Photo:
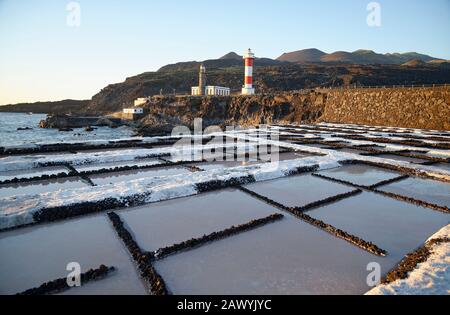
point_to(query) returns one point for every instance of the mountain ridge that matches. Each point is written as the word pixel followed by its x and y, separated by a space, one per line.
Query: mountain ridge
pixel 360 56
pixel 305 56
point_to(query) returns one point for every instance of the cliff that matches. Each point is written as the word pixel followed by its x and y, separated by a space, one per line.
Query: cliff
pixel 164 113
pixel 426 108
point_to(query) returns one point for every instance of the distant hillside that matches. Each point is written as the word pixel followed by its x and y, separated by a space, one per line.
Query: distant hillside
pixel 402 58
pixel 229 60
pixel 357 57
pixel 60 107
pixel 305 55
pixel 283 76
pixel 232 55
pixel 414 63
pixel 439 61
pixel 340 56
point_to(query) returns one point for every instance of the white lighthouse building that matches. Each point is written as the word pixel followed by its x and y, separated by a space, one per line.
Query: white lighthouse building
pixel 249 58
pixel 208 90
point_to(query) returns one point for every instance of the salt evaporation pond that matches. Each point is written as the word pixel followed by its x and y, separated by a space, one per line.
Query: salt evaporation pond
pixel 112 165
pixel 298 191
pixel 422 189
pixel 171 222
pixel 286 257
pixel 360 174
pixel 35 255
pixel 401 158
pixel 396 226
pixel 117 177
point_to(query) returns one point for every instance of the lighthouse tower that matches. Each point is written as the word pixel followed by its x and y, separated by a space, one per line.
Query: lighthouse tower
pixel 202 80
pixel 248 89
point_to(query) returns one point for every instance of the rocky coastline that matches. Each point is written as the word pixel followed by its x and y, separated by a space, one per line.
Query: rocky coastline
pixel 65 122
pixel 422 107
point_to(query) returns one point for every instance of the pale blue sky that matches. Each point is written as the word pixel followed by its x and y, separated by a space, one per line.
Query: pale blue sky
pixel 41 58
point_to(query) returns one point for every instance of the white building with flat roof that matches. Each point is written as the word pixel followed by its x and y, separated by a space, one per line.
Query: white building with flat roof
pixel 211 91
pixel 141 101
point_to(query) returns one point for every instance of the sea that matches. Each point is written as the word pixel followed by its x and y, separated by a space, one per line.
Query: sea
pixel 10 136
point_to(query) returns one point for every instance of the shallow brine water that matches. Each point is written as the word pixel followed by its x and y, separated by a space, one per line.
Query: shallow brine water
pixel 443 166
pixel 232 161
pixel 32 256
pixel 225 164
pixel 401 158
pixel 360 174
pixel 393 225
pixel 422 189
pixel 298 191
pixel 286 257
pixel 170 222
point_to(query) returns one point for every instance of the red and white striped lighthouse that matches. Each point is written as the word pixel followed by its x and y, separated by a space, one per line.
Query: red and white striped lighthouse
pixel 248 89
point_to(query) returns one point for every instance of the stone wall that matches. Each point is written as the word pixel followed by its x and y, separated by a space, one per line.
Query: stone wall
pixel 425 108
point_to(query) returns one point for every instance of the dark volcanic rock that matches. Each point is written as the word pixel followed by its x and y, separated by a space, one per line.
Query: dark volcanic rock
pixel 59 107
pixel 155 130
pixel 60 285
pixel 66 122
pixel 165 113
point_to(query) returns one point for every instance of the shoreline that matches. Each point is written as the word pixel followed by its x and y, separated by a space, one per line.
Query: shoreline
pixel 23 130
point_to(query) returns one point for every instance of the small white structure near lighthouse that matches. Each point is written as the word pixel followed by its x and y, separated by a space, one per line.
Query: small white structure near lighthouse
pixel 209 90
pixel 141 101
pixel 247 88
pixel 135 111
